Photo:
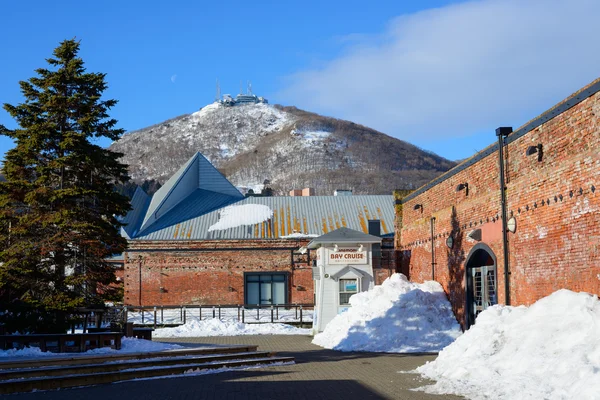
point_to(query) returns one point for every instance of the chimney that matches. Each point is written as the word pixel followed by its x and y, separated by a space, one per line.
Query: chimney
pixel 375 227
pixel 308 192
pixel 296 192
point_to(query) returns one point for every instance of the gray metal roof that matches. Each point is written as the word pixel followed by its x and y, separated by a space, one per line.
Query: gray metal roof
pixel 343 235
pixel 139 204
pixel 308 215
pixel 190 201
pixel 196 173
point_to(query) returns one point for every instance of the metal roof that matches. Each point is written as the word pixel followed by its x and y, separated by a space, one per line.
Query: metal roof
pixel 189 204
pixel 196 173
pixel 343 235
pixel 308 215
pixel 139 204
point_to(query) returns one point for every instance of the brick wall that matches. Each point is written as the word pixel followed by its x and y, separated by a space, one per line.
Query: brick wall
pixel 556 203
pixel 212 272
pixel 209 272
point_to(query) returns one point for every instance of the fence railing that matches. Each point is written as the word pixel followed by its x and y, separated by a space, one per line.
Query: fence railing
pixel 161 315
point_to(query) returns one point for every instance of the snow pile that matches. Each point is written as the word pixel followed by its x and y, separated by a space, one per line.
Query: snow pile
pixel 128 345
pixel 550 350
pixel 216 327
pixel 246 214
pixel 396 317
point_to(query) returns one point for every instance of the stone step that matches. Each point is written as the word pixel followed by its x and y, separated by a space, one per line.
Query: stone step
pixel 76 359
pixel 82 369
pixel 50 383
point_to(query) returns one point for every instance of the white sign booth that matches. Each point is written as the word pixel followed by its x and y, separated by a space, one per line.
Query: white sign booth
pixel 344 267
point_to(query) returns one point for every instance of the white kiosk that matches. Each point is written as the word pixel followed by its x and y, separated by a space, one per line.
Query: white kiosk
pixel 344 267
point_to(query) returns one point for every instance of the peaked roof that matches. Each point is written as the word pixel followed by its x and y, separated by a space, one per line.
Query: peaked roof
pixel 343 235
pixel 198 174
pixel 192 203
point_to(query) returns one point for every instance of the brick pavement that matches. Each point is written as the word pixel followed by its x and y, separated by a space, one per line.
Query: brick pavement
pixel 317 374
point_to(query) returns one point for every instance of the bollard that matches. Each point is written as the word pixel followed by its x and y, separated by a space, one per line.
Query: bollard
pixel 184 316
pixel 272 313
pixel 129 329
pixel 277 313
pixel 243 316
pixel 238 313
pixel 154 317
pixel 300 316
pixel 258 312
pixel 200 312
pixel 219 312
pixel 162 316
pixel 142 311
pixel 214 315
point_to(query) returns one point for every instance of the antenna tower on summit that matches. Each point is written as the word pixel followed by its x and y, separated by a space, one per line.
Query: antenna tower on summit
pixel 218 94
pixel 249 88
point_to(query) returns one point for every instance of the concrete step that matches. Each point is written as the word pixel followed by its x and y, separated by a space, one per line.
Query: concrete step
pixel 82 369
pixel 50 383
pixel 77 359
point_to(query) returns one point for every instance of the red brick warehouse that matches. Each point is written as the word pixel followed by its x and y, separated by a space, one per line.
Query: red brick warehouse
pixel 451 230
pixel 198 241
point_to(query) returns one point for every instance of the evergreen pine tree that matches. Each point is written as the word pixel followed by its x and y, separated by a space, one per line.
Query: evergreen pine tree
pixel 58 210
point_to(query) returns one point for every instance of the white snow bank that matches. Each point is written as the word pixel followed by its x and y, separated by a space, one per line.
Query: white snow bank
pixel 550 350
pixel 128 345
pixel 246 214
pixel 396 317
pixel 216 327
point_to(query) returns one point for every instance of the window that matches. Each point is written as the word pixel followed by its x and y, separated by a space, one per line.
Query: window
pixel 348 287
pixel 265 288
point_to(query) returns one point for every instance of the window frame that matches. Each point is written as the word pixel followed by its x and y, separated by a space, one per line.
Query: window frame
pixel 285 275
pixel 345 292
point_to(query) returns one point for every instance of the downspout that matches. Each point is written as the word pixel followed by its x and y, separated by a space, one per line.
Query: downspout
pixel 502 133
pixel 432 251
pixel 140 279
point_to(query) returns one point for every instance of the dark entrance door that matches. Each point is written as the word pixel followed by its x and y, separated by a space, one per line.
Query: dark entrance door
pixel 481 281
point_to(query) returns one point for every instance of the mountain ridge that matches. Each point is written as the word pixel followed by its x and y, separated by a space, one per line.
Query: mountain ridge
pixel 288 147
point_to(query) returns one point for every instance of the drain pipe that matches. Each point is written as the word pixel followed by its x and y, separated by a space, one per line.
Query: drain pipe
pixel 502 133
pixel 432 251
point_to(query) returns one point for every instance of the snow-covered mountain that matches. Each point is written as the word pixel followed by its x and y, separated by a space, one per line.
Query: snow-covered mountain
pixel 288 147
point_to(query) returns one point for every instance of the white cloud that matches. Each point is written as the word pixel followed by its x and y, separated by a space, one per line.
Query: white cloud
pixel 173 78
pixel 458 70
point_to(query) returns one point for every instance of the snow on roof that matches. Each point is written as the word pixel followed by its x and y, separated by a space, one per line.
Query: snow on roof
pixel 550 350
pixel 246 214
pixel 298 235
pixel 395 317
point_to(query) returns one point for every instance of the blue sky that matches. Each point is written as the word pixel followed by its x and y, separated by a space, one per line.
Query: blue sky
pixel 439 74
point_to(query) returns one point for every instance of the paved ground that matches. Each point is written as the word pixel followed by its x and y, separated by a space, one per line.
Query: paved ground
pixel 317 374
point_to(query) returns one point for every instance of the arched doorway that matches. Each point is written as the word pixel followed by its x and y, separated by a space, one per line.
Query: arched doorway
pixel 481 272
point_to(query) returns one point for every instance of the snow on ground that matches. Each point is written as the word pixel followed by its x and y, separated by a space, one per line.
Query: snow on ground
pixel 395 317
pixel 246 214
pixel 550 350
pixel 128 345
pixel 216 327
